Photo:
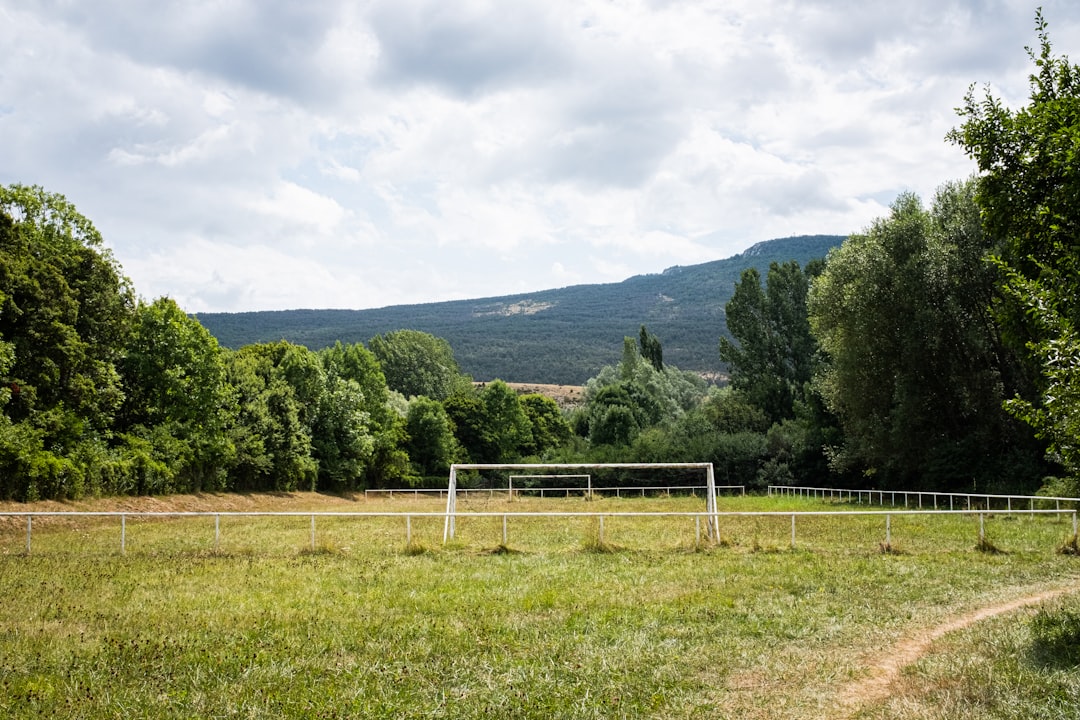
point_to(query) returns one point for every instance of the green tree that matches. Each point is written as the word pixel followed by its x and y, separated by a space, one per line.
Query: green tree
pixel 375 422
pixel 915 372
pixel 432 446
pixel 272 435
pixel 651 349
pixel 1029 194
pixel 417 363
pixel 550 428
pixel 65 311
pixel 175 382
pixel 773 360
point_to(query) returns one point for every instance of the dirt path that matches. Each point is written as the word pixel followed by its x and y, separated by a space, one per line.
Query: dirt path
pixel 885 669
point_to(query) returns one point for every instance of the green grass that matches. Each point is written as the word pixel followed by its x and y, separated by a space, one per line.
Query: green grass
pixel 1025 665
pixel 555 624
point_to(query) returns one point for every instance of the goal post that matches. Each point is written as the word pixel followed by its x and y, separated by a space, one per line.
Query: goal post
pixel 712 524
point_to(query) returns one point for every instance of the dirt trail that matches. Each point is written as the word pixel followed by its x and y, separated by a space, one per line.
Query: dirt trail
pixel 885 669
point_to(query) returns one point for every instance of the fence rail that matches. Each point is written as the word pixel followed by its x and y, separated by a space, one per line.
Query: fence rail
pixel 553 491
pixel 921 498
pixel 408 517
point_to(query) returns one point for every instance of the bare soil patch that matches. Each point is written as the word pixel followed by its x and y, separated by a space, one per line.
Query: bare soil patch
pixel 885 669
pixel 566 396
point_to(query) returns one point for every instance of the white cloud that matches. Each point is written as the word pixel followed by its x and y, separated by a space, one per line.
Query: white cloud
pixel 254 155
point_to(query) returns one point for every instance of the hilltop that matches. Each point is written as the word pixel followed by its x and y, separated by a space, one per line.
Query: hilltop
pixel 560 336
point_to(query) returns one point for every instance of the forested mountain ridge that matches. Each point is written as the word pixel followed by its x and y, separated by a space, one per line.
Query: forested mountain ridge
pixel 562 335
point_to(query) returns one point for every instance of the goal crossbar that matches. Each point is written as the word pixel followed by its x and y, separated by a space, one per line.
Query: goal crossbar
pixel 712 526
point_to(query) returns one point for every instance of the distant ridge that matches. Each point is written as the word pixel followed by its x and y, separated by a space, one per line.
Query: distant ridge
pixel 560 336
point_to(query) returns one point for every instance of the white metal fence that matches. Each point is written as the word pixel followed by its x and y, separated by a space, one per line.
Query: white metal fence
pixel 618 492
pixel 710 518
pixel 925 499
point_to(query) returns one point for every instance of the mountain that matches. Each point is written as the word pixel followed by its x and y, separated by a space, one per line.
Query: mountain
pixel 561 336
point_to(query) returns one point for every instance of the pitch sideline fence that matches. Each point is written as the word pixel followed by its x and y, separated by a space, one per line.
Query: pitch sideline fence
pixel 711 520
pixel 982 501
pixel 617 491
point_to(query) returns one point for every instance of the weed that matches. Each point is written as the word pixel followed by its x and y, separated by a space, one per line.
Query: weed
pixel 985 546
pixel 1055 638
pixel 414 548
pixel 889 548
pixel 1070 546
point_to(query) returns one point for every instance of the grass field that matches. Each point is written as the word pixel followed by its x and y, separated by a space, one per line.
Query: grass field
pixel 555 624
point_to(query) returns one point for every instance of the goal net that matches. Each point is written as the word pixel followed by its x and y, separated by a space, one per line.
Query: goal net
pixel 712 524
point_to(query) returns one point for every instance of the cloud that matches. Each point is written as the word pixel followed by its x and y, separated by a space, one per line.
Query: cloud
pixel 467 48
pixel 257 155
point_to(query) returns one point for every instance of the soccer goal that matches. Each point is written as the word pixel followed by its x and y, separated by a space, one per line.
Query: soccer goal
pixel 712 524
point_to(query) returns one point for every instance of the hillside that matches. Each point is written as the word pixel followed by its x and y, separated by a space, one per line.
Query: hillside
pixel 559 336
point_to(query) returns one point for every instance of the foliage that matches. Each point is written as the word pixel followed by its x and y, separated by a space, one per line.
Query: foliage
pixel 491 424
pixel 1029 192
pixel 276 383
pixel 417 363
pixel 177 397
pixel 65 312
pixel 774 359
pixel 550 428
pixel 376 430
pixel 651 349
pixel 432 446
pixel 917 370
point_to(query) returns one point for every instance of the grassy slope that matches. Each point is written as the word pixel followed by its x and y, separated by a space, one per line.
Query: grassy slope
pixel 265 628
pixel 573 332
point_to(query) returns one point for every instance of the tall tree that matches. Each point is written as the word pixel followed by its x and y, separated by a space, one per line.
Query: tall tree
pixel 417 363
pixel 174 377
pixel 772 361
pixel 915 370
pixel 276 385
pixel 1029 193
pixel 65 311
pixel 651 349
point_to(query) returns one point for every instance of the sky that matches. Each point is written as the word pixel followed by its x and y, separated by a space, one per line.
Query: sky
pixel 243 155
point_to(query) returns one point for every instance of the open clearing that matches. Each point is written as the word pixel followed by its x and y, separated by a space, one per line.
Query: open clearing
pixel 556 625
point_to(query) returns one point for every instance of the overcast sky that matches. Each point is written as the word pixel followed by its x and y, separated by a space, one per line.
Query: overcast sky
pixel 258 155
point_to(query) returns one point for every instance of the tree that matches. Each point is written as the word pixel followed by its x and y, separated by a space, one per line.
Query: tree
pixel 432 446
pixel 916 369
pixel 773 360
pixel 175 384
pixel 549 428
pixel 358 367
pixel 272 435
pixel 416 363
pixel 65 311
pixel 1029 194
pixel 651 349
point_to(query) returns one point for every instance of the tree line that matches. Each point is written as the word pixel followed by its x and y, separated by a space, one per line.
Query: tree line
pixel 936 349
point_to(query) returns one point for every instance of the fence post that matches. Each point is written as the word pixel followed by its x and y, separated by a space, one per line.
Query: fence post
pixel 123 534
pixel 504 529
pixel 217 531
pixel 697 531
pixel 601 529
pixel 408 530
pixel 313 532
pixel 888 530
pixel 30 530
pixel 1074 532
pixel 982 528
pixel 792 531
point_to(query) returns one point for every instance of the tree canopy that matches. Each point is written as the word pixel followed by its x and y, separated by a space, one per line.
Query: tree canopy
pixel 1029 194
